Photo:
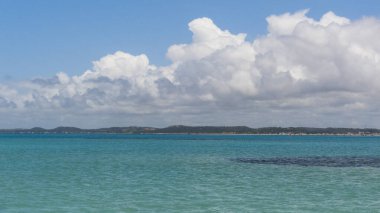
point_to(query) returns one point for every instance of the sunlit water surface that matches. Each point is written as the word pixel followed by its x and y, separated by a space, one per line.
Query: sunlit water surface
pixel 188 173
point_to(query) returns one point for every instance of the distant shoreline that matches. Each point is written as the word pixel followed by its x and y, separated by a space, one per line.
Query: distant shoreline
pixel 203 130
pixel 227 134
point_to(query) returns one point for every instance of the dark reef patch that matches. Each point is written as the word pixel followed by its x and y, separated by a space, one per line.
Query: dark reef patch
pixel 346 161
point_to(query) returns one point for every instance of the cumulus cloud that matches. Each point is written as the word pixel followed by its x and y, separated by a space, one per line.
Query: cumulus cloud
pixel 207 38
pixel 302 72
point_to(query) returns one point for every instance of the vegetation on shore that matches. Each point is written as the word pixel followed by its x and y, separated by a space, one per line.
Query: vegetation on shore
pixel 180 129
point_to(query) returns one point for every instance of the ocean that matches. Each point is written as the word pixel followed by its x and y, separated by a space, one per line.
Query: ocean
pixel 188 173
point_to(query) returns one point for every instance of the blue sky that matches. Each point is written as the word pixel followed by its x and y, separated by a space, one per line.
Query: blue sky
pixel 40 38
pixel 157 63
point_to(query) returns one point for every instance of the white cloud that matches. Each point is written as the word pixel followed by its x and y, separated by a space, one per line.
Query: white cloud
pixel 207 38
pixel 303 72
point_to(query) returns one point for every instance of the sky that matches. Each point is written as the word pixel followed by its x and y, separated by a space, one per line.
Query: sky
pixel 157 63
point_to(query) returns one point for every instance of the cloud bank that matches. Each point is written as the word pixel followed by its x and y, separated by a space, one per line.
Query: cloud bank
pixel 303 72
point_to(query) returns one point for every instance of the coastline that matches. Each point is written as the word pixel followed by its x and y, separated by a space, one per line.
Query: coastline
pixel 216 134
pixel 203 130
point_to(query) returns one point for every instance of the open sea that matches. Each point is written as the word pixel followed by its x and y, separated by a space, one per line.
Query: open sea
pixel 188 173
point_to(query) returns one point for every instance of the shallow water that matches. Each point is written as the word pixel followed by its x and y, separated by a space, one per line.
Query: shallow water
pixel 331 161
pixel 187 173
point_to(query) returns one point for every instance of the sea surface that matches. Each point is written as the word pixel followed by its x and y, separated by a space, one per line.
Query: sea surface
pixel 188 173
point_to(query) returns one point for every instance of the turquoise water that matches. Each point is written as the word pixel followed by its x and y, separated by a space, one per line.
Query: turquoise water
pixel 183 173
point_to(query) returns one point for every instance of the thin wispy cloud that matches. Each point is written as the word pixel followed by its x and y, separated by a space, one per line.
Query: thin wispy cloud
pixel 303 72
